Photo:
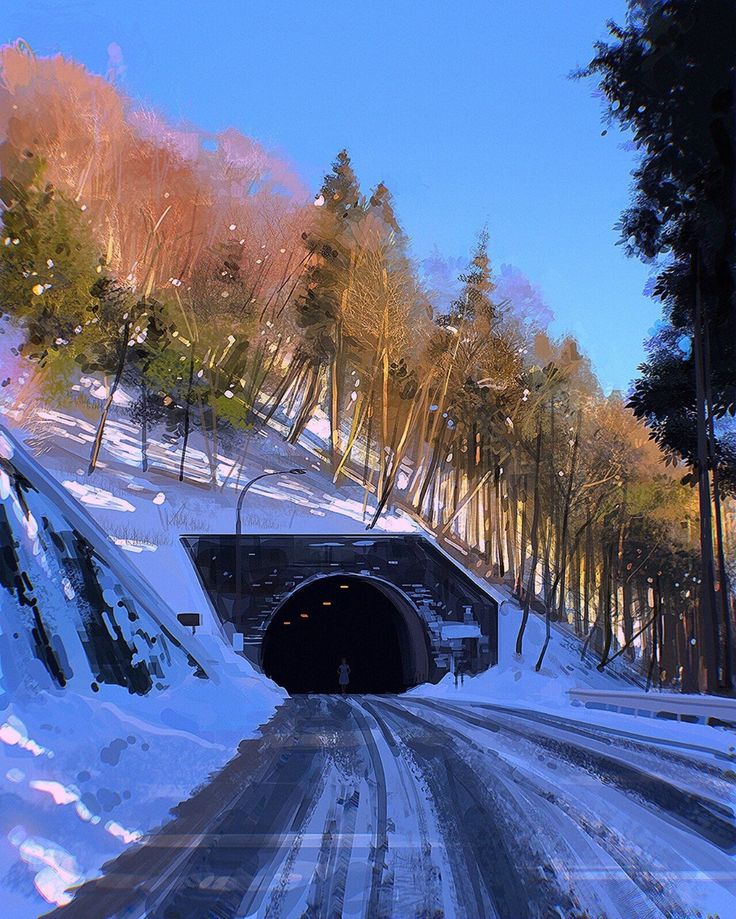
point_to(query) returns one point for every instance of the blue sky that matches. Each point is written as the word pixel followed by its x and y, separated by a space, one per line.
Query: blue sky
pixel 463 108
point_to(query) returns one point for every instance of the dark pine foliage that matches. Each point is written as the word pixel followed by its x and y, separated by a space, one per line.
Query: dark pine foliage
pixel 669 76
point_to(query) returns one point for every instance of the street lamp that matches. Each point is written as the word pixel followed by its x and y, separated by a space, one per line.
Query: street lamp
pixel 238 525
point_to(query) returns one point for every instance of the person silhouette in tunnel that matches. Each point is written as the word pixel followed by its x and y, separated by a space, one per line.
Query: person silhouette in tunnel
pixel 343 672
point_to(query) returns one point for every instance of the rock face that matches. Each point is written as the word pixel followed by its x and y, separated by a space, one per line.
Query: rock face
pixel 72 608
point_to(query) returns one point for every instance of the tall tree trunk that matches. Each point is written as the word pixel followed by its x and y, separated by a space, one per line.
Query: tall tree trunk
pixel 627 619
pixel 589 568
pixel 461 505
pixel 334 400
pixel 654 661
pixel 562 606
pixel 289 379
pixel 509 508
pixel 553 543
pixel 519 590
pixel 398 450
pixel 605 602
pixel 309 403
pixel 187 416
pixel 576 600
pixel 367 469
pixel 359 412
pixel 204 425
pixel 724 589
pixel 97 443
pixel 497 515
pixel 435 458
pixel 144 426
pixel 534 543
pixel 709 651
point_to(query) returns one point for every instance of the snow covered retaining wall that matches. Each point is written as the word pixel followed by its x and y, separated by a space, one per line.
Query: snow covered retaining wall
pixel 673 706
pixel 73 605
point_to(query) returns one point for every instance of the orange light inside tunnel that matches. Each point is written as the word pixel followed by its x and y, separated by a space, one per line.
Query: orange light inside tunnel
pixel 304 615
pixel 344 586
pixel 287 622
pixel 327 603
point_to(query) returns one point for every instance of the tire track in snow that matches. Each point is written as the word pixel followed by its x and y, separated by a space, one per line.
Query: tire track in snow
pixel 685 759
pixel 379 893
pixel 417 878
pixel 485 856
pixel 636 860
pixel 255 898
pixel 500 779
pixel 709 819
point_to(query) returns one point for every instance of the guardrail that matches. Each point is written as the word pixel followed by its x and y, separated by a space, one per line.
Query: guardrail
pixel 696 709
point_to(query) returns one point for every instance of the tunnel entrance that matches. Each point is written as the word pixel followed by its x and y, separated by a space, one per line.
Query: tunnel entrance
pixel 364 620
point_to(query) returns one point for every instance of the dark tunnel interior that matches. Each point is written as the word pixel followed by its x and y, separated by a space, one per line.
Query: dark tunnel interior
pixel 333 618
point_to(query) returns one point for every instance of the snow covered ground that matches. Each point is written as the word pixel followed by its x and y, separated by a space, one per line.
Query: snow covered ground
pixel 88 768
pixel 514 679
pixel 515 684
pixel 145 513
pixel 397 806
pixel 86 773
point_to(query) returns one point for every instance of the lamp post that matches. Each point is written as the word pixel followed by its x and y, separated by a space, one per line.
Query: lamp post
pixel 244 491
pixel 238 525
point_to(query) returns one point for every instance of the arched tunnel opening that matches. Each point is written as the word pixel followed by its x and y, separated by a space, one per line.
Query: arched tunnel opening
pixel 367 622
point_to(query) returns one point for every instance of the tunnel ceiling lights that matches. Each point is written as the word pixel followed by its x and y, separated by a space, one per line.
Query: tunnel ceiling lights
pixel 327 603
pixel 344 586
pixel 287 621
pixel 304 615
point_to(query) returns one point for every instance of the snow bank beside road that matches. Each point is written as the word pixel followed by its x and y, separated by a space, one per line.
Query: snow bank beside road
pixel 514 683
pixel 514 678
pixel 85 775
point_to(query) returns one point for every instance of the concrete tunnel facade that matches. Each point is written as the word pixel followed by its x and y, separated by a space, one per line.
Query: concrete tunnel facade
pixel 400 610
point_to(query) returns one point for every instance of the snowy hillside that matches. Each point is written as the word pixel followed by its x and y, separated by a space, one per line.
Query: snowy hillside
pixel 144 513
pixel 515 681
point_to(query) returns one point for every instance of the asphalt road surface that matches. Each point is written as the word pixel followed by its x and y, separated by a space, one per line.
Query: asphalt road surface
pixel 386 806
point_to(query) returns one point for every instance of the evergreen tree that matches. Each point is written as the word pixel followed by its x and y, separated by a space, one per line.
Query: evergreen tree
pixel 669 77
pixel 148 371
pixel 476 299
pixel 381 202
pixel 330 244
pixel 48 264
pixel 110 333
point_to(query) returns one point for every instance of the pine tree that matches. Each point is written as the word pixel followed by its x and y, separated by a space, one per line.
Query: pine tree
pixel 48 264
pixel 106 343
pixel 381 202
pixel 476 299
pixel 669 77
pixel 330 244
pixel 148 371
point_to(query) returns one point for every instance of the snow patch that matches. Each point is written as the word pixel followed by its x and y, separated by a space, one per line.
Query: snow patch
pixel 97 497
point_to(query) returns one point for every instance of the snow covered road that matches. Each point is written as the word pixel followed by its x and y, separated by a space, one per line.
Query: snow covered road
pixel 402 807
